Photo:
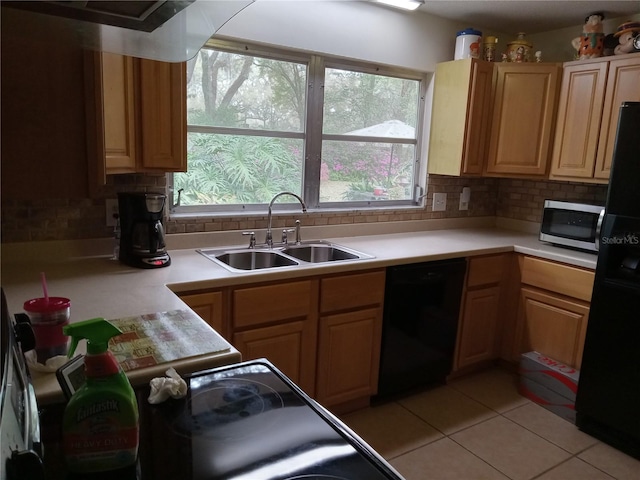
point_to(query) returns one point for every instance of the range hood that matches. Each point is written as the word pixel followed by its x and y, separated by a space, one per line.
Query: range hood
pixel 170 31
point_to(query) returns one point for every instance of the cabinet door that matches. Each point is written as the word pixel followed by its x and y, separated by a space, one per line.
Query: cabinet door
pixel 118 113
pixel 459 119
pixel 623 85
pixel 477 129
pixel 523 117
pixel 578 121
pixel 551 325
pixel 291 347
pixel 479 327
pixel 209 306
pixel 348 356
pixel 163 100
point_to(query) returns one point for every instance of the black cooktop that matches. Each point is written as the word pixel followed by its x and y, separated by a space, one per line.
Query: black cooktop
pixel 249 422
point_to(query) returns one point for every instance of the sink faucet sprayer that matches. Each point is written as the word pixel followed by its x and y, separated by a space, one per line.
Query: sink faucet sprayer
pixel 269 239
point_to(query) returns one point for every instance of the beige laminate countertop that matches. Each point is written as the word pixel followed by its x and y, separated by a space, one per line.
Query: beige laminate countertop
pixel 101 287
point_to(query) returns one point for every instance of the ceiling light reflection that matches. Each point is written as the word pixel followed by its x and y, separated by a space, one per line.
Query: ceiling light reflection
pixel 404 4
pixel 290 465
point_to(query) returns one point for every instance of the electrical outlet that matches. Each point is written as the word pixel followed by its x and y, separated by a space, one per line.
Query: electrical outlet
pixel 439 202
pixel 465 196
pixel 111 210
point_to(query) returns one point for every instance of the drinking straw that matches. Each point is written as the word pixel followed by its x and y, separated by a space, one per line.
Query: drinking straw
pixel 43 280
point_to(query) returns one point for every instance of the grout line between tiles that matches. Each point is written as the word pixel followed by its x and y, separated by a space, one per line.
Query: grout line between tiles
pixel 551 468
pixel 449 436
pixel 479 458
pixel 496 413
pixel 419 418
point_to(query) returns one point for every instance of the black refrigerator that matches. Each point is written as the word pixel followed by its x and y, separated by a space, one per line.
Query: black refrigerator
pixel 608 399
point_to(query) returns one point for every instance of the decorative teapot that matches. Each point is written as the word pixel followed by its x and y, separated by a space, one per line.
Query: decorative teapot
pixel 519 50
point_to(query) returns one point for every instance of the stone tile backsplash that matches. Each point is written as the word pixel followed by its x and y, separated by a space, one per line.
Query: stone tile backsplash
pixel 74 219
pixel 524 199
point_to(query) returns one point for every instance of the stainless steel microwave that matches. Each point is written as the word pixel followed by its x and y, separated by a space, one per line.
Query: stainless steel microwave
pixel 573 225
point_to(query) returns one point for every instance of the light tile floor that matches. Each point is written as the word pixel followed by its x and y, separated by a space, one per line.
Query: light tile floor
pixel 479 427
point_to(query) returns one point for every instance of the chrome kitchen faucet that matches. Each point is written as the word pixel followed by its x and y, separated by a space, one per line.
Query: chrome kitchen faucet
pixel 269 237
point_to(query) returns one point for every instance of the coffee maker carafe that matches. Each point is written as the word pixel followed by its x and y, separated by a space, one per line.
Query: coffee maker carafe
pixel 141 231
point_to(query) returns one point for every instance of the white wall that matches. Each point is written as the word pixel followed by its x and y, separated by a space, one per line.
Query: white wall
pixel 370 32
pixel 351 29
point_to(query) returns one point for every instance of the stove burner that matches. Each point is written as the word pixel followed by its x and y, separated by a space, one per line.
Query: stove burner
pixel 229 408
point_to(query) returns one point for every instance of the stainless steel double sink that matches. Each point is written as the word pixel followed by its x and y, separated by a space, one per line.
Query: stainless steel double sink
pixel 290 255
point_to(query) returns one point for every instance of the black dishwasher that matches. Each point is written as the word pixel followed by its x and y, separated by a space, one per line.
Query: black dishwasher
pixel 420 324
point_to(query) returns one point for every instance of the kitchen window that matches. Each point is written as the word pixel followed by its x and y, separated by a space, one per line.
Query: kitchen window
pixel 340 134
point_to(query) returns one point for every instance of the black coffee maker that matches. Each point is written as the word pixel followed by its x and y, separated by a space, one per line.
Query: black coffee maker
pixel 141 231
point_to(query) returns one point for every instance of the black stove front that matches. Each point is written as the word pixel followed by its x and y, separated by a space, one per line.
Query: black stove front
pixel 249 422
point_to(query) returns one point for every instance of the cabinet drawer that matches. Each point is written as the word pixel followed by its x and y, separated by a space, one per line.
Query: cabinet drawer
pixel 270 303
pixel 563 279
pixel 349 291
pixel 486 270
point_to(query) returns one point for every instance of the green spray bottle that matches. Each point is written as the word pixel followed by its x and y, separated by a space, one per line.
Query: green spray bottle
pixel 100 426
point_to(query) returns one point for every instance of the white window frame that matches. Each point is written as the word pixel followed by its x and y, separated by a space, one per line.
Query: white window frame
pixel 313 135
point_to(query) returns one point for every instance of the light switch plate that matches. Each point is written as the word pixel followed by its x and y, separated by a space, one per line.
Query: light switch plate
pixel 439 202
pixel 465 196
pixel 111 210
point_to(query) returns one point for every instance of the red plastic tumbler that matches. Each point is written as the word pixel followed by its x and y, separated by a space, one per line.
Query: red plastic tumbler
pixel 48 316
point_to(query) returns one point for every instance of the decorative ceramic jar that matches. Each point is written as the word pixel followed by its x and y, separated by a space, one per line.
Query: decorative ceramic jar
pixel 489 48
pixel 518 50
pixel 467 44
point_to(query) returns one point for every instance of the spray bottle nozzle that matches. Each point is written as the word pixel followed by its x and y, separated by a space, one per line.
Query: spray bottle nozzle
pixel 96 331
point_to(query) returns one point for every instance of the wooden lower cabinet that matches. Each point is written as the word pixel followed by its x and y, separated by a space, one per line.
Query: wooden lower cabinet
pixel 348 356
pixel 291 347
pixel 481 310
pixel 552 325
pixel 553 309
pixel 479 327
pixel 336 359
pixel 279 322
pixel 349 338
pixel 209 306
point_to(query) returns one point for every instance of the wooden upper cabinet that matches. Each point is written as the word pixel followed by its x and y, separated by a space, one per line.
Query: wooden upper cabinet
pixel 119 113
pixel 524 111
pixel 138 110
pixel 459 119
pixel 579 117
pixel 623 85
pixel 163 115
pixel 591 94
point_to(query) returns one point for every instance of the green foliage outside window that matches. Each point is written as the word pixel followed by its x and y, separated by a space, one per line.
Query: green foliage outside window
pixel 231 93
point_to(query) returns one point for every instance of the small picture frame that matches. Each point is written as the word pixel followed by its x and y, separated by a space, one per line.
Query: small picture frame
pixel 71 375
